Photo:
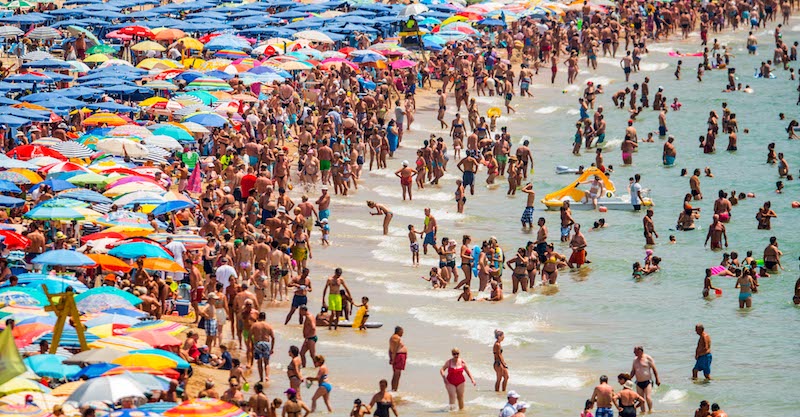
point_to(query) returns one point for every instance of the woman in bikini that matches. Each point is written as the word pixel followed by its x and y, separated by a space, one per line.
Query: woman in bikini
pixel 520 276
pixel 500 365
pixel 550 268
pixel 293 406
pixel 324 389
pixel 491 167
pixel 746 288
pixel 466 261
pixel 293 370
pixel 453 376
pixel 380 209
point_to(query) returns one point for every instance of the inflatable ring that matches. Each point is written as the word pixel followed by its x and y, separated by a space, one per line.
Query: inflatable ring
pixel 609 194
pixel 494 112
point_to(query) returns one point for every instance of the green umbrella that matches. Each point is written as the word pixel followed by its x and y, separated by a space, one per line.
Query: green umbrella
pixel 76 31
pixel 18 4
pixel 89 178
pixel 174 132
pixel 101 49
pixel 207 97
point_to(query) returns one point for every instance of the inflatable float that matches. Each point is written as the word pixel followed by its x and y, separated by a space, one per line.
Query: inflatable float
pixel 577 196
pixel 494 112
pixel 350 324
pixel 563 169
pixel 757 74
pixel 680 55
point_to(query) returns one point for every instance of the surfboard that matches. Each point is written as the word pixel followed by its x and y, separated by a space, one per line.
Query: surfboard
pixel 349 324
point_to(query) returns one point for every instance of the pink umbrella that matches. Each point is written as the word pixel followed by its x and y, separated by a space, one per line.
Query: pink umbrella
pixel 403 63
pixel 117 35
pixel 126 180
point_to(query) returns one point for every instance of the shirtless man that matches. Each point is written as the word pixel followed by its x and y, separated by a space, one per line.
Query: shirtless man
pixel 263 345
pixel 626 63
pixel 603 396
pixel 309 213
pixel 772 255
pixel 302 286
pixel 247 317
pixel 566 221
pixel 334 300
pixel 398 355
pixel 429 231
pixel 323 204
pixel 468 167
pixel 702 353
pixel 669 153
pixel 309 334
pixel 578 245
pixel 644 369
pixel 649 228
pixel 716 233
pixel 527 215
pixel 694 184
pixel 442 108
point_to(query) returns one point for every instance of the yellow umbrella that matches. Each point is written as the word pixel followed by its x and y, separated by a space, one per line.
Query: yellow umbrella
pixel 109 119
pixel 31 176
pixel 193 63
pixel 29 106
pixel 132 231
pixel 146 360
pixel 158 264
pixel 96 58
pixel 191 43
pixel 19 384
pixel 148 46
pixel 148 63
pixel 215 64
pixel 452 19
pixel 152 100
pixel 103 330
pixel 64 390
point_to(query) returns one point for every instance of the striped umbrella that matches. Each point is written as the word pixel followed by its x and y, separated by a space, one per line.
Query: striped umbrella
pixel 205 407
pixel 10 31
pixel 37 56
pixel 131 130
pixel 158 325
pixel 44 33
pixel 21 410
pixel 72 149
pixel 209 84
pixel 230 54
pixel 189 240
pixel 123 343
pixel 14 177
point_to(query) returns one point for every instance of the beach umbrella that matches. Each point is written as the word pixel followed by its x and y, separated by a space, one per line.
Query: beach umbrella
pixel 161 85
pixel 148 46
pixel 147 360
pixel 12 239
pixel 10 202
pixel 37 56
pixel 96 58
pixel 122 147
pixel 130 130
pixel 54 213
pixel 120 343
pixel 101 49
pixel 174 132
pixel 157 339
pixel 22 296
pixel 140 197
pixel 170 206
pixel 136 412
pixel 72 149
pixel 63 166
pixel 8 187
pixel 106 389
pixel 7 31
pixel 20 384
pixel 139 249
pixel 63 257
pixel 162 141
pixel 109 262
pixel 44 33
pixel 47 63
pixel 21 410
pixel 205 407
pixel 206 119
pixel 136 30
pixel 107 119
pixel 313 35
pixel 413 9
pixel 14 177
pixel 166 265
pixel 296 66
pixel 209 84
pixel 90 178
pixel 8 163
pixel 27 152
pixel 94 356
pixel 173 34
pixel 55 184
pixel 52 282
pixel 86 195
pixel 64 390
pixel 44 401
pixel 50 366
pixel 403 63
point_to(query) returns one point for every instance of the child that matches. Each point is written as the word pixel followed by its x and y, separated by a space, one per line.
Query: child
pixel 236 371
pixel 326 230
pixel 587 409
pixel 779 186
pixel 365 305
pixel 359 410
pixel 672 240
pixel 413 244
pixel 676 105
pixel 678 70
pixel 638 271
pixel 276 404
pixel 435 279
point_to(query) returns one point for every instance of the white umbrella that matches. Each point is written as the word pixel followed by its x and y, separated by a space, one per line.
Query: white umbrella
pixel 10 31
pixel 106 389
pixel 73 149
pixel 314 35
pixel 37 56
pixel 413 10
pixel 93 356
pixel 195 128
pixel 44 33
pixel 151 197
pixel 162 141
pixel 122 147
pixel 78 66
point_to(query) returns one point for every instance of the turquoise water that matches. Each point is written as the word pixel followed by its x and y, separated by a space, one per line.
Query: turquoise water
pixel 557 345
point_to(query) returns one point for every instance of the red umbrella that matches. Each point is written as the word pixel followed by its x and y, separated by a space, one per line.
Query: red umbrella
pixel 26 152
pixel 207 38
pixel 14 240
pixel 169 74
pixel 156 339
pixel 136 30
pixel 102 235
pixel 169 373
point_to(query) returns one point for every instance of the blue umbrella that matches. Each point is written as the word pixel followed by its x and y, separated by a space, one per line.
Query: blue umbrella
pixel 8 163
pixel 53 213
pixel 56 185
pixel 47 63
pixel 159 407
pixel 8 187
pixel 11 202
pixel 138 249
pixel 13 121
pixel 86 195
pixel 94 370
pixel 7 101
pixel 491 22
pixel 112 107
pixel 170 206
pixel 69 338
pixel 207 119
pixel 29 78
pixel 126 312
pixel 50 366
pixel 63 257
pixel 61 103
pixel 23 296
pixel 53 283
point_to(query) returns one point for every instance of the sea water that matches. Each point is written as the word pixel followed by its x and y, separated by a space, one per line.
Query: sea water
pixel 557 345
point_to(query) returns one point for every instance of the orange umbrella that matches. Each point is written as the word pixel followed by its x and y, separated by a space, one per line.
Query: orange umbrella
pixel 27 105
pixel 108 119
pixel 158 264
pixel 169 34
pixel 109 263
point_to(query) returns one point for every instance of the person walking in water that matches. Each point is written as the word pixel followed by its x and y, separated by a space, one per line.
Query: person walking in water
pixel 702 353
pixel 453 376
pixel 644 370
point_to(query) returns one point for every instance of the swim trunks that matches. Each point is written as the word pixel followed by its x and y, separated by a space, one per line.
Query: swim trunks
pixel 324 214
pixel 670 160
pixel 565 230
pixel 261 350
pixel 335 302
pixel 468 178
pixel 211 327
pixel 527 215
pixel 662 131
pixel 703 364
pixel 399 363
pixel 414 246
pixel 324 165
pixel 604 412
pixel 299 300
pixel 429 239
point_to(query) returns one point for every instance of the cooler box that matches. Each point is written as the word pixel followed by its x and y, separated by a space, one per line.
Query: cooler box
pixel 182 306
